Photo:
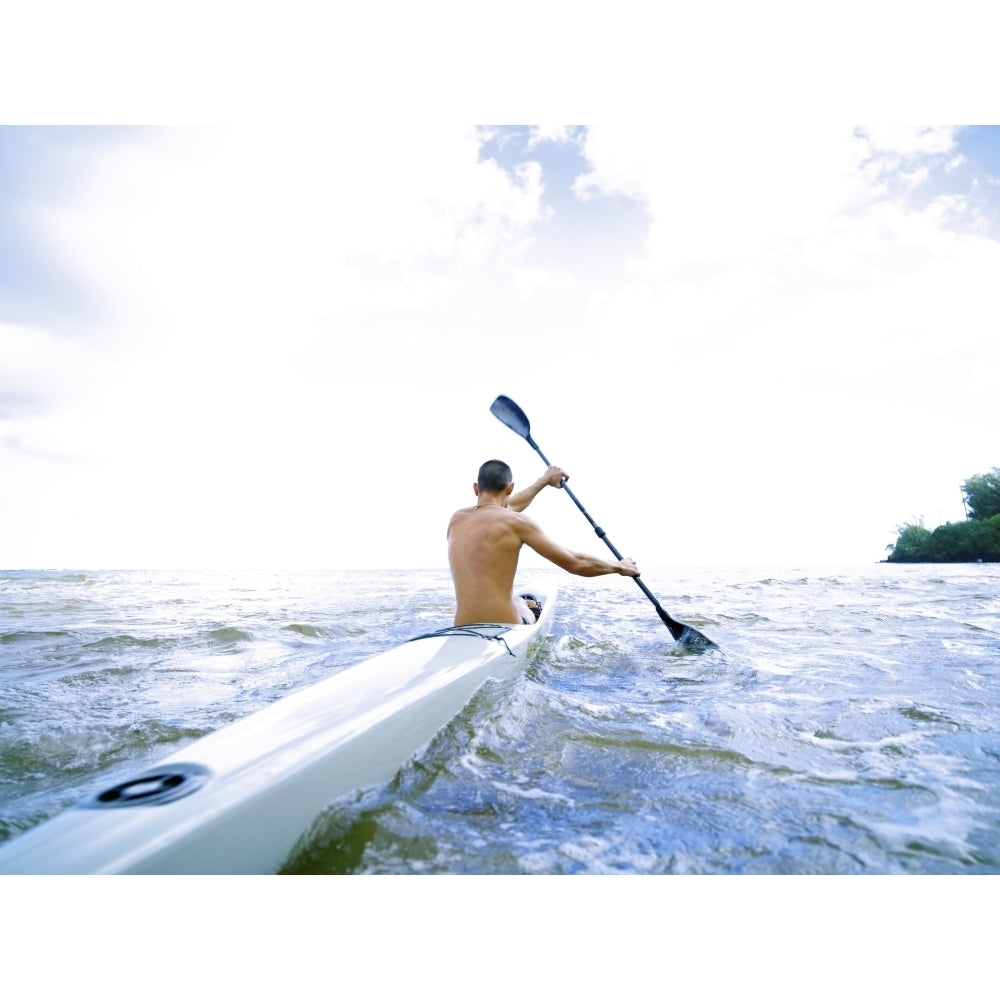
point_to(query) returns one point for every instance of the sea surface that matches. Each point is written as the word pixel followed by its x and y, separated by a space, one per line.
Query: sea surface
pixel 847 725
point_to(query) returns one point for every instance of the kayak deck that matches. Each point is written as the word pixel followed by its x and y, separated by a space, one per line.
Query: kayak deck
pixel 238 800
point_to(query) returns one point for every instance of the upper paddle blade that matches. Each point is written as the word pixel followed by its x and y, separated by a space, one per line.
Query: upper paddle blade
pixel 508 412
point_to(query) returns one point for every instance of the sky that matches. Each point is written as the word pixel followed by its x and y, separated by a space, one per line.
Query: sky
pixel 248 346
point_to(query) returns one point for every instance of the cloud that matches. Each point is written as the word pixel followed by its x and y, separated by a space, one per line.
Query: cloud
pixel 225 261
pixel 789 282
pixel 898 143
pixel 270 306
pixel 563 134
pixel 751 226
pixel 267 218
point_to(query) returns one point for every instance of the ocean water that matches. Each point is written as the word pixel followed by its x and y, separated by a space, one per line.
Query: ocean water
pixel 847 725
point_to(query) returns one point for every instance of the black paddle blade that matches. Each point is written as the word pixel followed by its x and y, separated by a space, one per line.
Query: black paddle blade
pixel 510 414
pixel 693 640
pixel 686 635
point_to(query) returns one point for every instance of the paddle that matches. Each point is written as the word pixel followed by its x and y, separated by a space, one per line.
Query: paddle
pixel 509 413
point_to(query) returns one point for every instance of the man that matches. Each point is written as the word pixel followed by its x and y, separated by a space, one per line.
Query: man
pixel 484 543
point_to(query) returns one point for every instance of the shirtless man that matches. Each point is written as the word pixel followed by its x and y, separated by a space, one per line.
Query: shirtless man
pixel 484 543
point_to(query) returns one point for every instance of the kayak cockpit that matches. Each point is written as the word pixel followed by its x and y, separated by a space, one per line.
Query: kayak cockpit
pixel 486 630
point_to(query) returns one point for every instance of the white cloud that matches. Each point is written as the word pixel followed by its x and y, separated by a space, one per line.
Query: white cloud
pixel 824 320
pixel 552 133
pixel 286 217
pixel 908 141
pixel 254 289
pixel 723 193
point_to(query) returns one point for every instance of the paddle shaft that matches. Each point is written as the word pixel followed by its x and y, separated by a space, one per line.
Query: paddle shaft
pixel 602 535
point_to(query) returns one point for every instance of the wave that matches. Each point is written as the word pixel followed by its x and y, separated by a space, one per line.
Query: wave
pixel 123 642
pixel 227 635
pixel 310 631
pixel 72 750
pixel 32 636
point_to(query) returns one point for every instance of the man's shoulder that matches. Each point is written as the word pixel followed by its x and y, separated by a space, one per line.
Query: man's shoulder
pixel 522 523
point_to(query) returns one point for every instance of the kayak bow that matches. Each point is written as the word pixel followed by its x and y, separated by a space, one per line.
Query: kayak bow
pixel 238 800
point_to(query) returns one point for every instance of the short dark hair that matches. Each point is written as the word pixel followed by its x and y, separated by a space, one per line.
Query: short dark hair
pixel 494 476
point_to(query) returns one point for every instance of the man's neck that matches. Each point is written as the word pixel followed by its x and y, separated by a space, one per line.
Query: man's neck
pixel 491 500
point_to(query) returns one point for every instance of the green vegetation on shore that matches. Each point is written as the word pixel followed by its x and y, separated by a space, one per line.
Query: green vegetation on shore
pixel 974 540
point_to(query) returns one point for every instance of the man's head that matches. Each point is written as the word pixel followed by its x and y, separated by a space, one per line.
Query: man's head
pixel 494 476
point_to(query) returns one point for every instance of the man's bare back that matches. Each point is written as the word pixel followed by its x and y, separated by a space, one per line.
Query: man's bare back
pixel 483 546
pixel 484 543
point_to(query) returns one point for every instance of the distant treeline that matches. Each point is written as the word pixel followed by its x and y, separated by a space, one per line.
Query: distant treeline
pixel 974 540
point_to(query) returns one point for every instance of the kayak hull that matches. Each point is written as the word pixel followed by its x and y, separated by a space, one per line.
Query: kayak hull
pixel 238 800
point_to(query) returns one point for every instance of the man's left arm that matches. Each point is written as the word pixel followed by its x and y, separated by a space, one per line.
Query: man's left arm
pixel 553 477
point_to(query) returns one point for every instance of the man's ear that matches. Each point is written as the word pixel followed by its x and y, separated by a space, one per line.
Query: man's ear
pixel 510 489
pixel 475 488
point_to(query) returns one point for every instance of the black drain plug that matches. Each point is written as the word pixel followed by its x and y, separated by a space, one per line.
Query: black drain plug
pixel 152 788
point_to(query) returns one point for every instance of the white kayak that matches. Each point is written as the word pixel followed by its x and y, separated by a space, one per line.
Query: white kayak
pixel 238 800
